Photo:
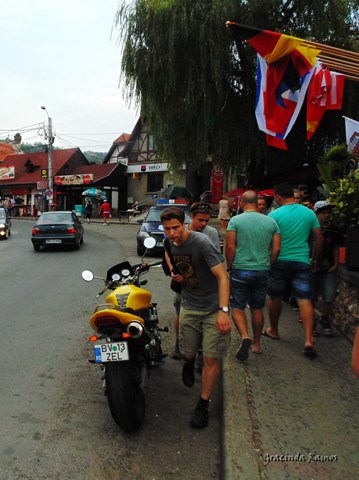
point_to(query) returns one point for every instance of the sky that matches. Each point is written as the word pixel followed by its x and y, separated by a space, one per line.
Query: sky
pixel 64 55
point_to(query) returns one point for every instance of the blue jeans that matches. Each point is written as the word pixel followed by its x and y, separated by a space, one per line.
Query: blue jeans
pixel 248 287
pixel 285 272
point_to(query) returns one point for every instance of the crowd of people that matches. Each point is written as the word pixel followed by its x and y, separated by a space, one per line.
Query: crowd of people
pixel 292 249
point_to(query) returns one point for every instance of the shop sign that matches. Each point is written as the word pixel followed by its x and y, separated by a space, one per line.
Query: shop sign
pixel 148 168
pixel 7 173
pixel 82 179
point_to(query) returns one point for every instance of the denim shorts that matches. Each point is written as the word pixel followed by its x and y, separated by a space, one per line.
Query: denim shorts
pixel 324 284
pixel 196 329
pixel 296 274
pixel 248 287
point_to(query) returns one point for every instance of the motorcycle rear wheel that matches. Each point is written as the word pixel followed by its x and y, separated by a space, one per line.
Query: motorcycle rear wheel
pixel 125 396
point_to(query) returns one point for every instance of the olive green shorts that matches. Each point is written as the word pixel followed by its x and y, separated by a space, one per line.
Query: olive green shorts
pixel 198 329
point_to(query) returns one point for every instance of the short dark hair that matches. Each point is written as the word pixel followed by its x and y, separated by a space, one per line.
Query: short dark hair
pixel 172 213
pixel 284 190
pixel 199 207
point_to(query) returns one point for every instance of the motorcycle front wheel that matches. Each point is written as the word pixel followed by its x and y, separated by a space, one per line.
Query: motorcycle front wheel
pixel 125 396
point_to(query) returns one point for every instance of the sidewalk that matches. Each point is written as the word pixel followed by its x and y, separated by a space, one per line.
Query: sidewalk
pixel 287 417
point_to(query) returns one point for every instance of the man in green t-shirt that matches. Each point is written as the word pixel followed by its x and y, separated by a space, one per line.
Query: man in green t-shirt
pixel 252 244
pixel 293 265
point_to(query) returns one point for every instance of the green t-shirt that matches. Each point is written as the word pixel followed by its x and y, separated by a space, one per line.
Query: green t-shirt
pixel 296 223
pixel 254 235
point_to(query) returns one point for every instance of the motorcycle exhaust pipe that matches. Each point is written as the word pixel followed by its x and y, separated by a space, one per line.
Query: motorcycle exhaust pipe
pixel 135 329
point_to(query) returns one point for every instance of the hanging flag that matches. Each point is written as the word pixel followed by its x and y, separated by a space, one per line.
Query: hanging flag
pixel 352 136
pixel 285 67
pixel 325 92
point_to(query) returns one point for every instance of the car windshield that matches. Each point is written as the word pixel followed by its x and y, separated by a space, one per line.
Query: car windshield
pixel 154 216
pixel 47 218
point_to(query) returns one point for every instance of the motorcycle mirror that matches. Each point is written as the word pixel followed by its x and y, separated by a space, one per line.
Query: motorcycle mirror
pixel 149 242
pixel 87 275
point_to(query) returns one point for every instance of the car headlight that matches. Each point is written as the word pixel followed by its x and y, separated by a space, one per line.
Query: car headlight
pixel 143 233
pixel 2 225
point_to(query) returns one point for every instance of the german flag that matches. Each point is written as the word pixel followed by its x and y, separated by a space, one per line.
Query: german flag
pixel 285 67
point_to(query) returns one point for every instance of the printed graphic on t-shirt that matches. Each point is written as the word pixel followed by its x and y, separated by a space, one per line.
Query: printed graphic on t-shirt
pixel 188 270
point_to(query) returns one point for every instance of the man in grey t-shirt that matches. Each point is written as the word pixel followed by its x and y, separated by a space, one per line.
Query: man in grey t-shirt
pixel 204 316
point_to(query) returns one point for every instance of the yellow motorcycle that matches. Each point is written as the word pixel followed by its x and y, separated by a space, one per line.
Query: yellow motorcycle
pixel 127 340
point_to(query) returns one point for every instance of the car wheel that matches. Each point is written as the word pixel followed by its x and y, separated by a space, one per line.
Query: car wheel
pixel 82 239
pixel 36 247
pixel 77 245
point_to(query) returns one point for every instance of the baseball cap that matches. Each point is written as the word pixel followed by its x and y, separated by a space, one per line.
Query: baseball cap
pixel 322 205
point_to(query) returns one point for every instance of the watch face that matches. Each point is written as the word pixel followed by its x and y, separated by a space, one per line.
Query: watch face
pixel 224 309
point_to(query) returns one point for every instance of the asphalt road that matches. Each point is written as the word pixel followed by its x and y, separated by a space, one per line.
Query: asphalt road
pixel 55 423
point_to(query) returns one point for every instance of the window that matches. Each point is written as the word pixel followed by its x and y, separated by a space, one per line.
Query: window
pixel 154 182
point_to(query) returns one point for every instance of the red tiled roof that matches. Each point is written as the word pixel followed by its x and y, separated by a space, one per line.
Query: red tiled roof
pixel 40 160
pixel 123 138
pixel 99 171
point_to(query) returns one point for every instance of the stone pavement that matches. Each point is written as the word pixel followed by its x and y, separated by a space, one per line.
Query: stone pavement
pixel 288 417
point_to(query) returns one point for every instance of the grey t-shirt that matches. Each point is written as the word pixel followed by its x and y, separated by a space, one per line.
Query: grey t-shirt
pixel 212 233
pixel 194 259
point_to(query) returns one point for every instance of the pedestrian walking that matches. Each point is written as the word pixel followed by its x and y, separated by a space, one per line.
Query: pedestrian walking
pixel 105 210
pixel 204 310
pixel 252 245
pixel 293 265
pixel 324 275
pixel 223 212
pixel 88 211
pixel 200 214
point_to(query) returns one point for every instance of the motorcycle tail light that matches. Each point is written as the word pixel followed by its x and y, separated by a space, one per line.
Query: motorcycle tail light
pixel 126 335
pixel 93 338
pixel 106 322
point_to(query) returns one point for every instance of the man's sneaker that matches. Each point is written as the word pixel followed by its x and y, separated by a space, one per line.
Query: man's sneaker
pixel 176 355
pixel 200 418
pixel 326 327
pixel 188 374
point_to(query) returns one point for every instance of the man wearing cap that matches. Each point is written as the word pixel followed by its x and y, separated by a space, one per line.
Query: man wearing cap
pixel 324 276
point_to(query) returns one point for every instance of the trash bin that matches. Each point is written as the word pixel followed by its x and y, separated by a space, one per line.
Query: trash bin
pixel 79 210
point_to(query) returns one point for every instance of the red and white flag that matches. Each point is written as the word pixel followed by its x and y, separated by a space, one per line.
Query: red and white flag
pixel 325 92
pixel 352 136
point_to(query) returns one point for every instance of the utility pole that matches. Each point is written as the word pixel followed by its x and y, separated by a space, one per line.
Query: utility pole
pixel 50 138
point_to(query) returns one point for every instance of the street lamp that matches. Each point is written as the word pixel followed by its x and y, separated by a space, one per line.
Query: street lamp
pixel 50 139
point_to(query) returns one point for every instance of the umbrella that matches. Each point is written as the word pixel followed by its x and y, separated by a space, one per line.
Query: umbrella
pixel 94 192
pixel 176 191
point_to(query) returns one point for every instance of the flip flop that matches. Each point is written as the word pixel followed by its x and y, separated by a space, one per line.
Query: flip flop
pixel 257 352
pixel 242 353
pixel 268 335
pixel 310 352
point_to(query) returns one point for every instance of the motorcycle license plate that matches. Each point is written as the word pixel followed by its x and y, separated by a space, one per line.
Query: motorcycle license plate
pixel 111 352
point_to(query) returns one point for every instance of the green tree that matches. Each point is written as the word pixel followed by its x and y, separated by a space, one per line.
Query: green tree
pixel 197 90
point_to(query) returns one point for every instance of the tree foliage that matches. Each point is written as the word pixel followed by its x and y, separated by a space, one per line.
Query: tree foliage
pixel 197 91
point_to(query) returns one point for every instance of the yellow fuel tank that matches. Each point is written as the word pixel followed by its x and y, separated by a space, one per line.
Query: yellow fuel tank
pixel 130 296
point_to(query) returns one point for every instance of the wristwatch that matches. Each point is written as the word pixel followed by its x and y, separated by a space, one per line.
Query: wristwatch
pixel 224 309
